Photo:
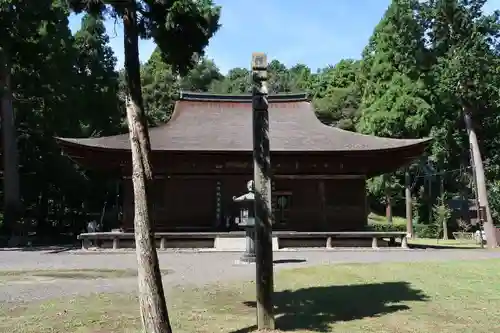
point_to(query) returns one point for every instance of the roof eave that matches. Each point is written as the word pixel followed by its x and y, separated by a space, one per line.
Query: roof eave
pixel 246 98
pixel 70 143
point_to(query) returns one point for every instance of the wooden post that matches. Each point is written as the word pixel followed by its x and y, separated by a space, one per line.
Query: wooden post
pixel 409 221
pixel 262 179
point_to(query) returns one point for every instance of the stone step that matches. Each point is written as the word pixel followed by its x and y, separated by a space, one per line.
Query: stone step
pixel 236 243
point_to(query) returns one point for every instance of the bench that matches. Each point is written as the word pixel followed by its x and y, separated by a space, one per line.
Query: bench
pixel 375 236
pixel 161 237
pixel 164 240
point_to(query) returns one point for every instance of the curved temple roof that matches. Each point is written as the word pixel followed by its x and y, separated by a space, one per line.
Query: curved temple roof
pixel 210 122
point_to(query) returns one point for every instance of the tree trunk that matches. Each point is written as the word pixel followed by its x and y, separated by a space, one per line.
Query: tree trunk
pixel 445 204
pixel 409 218
pixel 489 228
pixel 473 184
pixel 388 204
pixel 12 199
pixel 388 209
pixel 42 214
pixel 445 229
pixel 152 302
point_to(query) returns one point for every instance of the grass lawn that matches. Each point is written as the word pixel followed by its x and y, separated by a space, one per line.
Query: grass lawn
pixel 432 242
pixel 447 297
pixel 80 274
pixel 381 219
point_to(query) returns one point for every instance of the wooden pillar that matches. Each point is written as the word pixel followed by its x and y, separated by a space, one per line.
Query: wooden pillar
pixel 322 200
pixel 409 221
pixel 262 179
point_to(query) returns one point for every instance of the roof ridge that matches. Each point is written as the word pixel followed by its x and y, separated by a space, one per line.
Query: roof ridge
pixel 215 97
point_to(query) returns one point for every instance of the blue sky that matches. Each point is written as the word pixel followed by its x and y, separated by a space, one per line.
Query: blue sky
pixel 288 30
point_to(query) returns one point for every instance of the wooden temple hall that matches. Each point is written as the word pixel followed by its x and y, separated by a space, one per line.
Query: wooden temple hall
pixel 202 157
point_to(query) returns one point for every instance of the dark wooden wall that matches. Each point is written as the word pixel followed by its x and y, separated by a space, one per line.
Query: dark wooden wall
pixel 193 203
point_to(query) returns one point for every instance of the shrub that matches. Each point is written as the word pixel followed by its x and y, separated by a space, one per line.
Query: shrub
pixel 426 230
pixel 420 230
pixel 494 200
pixel 385 227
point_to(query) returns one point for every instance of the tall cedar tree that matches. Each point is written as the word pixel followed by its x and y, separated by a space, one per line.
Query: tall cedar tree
pixel 11 12
pixel 181 29
pixel 465 69
pixel 394 101
pixel 32 41
pixel 96 67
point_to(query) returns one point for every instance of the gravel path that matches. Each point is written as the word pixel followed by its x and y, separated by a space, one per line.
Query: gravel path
pixel 188 268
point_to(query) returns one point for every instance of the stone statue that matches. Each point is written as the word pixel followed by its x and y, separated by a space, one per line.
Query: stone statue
pixel 247 196
pixel 246 220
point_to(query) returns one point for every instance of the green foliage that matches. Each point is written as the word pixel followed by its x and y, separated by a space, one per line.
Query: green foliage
pixel 170 24
pixel 160 87
pixel 96 63
pixel 420 230
pixel 415 212
pixel 387 185
pixel 394 94
pixel 494 200
pixel 426 231
pixel 385 227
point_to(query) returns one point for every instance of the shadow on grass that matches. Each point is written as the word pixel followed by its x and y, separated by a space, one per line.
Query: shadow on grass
pixel 316 307
pixel 443 247
pixel 46 249
pixel 288 261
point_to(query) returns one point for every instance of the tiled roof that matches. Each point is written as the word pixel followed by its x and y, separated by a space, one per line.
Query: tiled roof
pixel 211 122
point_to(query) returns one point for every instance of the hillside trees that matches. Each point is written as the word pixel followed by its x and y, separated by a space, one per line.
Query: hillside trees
pixel 336 94
pixel 161 86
